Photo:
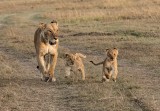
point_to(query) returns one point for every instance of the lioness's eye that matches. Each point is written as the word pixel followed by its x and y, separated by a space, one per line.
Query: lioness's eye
pixel 49 32
pixel 46 33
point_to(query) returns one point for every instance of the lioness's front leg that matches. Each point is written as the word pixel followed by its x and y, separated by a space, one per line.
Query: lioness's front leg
pixel 42 66
pixel 52 67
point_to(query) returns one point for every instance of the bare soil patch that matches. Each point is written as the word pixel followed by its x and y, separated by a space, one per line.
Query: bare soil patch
pixel 88 28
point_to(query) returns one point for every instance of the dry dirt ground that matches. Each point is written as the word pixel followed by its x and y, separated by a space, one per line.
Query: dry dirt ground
pixel 88 27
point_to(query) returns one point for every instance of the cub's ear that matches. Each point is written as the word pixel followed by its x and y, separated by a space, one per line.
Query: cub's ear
pixel 66 55
pixel 107 49
pixel 116 49
pixel 42 25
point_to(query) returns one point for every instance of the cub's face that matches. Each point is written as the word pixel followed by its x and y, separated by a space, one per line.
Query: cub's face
pixel 112 53
pixel 69 59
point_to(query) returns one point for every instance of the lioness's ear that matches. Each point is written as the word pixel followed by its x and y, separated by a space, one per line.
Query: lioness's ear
pixel 42 25
pixel 54 21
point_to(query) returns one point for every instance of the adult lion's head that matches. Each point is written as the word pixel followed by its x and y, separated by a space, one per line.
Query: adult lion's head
pixel 49 32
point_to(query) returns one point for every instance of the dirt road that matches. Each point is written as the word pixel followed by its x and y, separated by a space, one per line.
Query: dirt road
pixel 137 87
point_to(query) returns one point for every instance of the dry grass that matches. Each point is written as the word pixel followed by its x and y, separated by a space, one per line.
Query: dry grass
pixel 88 27
pixel 103 11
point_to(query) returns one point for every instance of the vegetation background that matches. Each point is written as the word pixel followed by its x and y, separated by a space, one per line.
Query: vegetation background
pixel 88 27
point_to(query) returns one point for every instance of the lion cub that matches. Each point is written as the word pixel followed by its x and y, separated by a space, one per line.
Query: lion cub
pixel 109 65
pixel 74 63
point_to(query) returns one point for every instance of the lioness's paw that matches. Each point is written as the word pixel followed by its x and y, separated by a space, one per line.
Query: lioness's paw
pixel 103 78
pixel 66 76
pixel 43 78
pixel 51 79
pixel 46 79
pixel 114 79
pixel 107 80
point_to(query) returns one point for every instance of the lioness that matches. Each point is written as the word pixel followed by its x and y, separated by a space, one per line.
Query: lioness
pixel 46 45
pixel 109 64
pixel 74 63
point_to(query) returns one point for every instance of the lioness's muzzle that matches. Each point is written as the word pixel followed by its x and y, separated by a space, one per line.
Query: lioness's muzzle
pixel 52 43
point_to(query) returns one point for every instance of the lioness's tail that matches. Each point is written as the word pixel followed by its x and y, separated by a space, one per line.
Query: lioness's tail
pixel 96 64
pixel 80 55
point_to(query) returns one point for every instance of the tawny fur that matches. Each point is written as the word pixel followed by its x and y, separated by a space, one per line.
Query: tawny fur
pixel 74 63
pixel 109 65
pixel 46 45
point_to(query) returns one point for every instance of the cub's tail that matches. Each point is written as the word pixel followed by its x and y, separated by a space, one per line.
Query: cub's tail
pixel 80 55
pixel 96 64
